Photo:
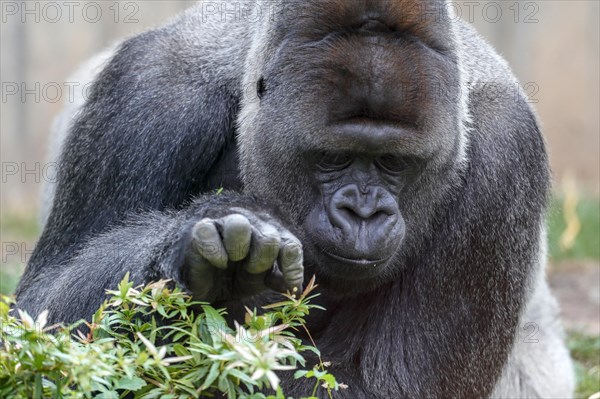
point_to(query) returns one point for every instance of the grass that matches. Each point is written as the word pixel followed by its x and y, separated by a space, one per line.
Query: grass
pixel 9 277
pixel 586 246
pixel 586 354
pixel 19 226
pixel 585 349
pixel 19 232
pixel 23 230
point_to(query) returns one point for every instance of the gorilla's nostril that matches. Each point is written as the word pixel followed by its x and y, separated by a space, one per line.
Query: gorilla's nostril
pixel 379 217
pixel 362 213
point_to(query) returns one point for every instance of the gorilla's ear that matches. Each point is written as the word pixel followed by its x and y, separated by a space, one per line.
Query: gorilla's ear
pixel 157 118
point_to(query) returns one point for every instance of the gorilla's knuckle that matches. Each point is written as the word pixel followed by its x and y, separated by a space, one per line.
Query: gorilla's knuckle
pixel 203 230
pixel 268 236
pixel 237 219
pixel 292 253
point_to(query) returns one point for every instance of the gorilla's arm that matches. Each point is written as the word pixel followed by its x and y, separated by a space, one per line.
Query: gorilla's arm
pixel 173 245
pixel 151 132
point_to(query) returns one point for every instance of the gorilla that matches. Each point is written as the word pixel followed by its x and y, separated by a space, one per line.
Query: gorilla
pixel 382 146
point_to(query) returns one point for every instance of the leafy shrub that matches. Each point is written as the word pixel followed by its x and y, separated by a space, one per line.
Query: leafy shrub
pixel 151 342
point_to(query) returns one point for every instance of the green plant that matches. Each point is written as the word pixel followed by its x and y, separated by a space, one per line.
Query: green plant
pixel 155 342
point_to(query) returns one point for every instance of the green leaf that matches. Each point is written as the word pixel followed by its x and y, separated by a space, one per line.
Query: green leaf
pixel 180 350
pixel 231 390
pixel 302 373
pixel 107 395
pixel 330 380
pixel 213 318
pixel 241 376
pixel 130 384
pixel 212 376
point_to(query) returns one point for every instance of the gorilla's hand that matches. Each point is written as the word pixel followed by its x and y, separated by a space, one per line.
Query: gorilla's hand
pixel 240 255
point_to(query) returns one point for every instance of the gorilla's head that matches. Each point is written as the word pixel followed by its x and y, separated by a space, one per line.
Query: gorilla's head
pixel 356 127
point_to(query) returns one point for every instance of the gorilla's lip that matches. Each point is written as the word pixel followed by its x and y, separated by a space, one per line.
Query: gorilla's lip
pixel 359 262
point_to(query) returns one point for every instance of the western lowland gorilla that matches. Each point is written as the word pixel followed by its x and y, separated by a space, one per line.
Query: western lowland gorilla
pixel 382 146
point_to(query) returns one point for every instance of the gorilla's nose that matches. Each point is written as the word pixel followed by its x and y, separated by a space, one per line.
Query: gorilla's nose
pixel 361 204
pixel 366 215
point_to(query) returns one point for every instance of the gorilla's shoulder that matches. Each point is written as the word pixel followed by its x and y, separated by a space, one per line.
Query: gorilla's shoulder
pixel 481 61
pixel 496 97
pixel 187 51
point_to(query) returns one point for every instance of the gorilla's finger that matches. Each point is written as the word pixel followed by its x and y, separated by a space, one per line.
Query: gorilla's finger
pixel 291 261
pixel 207 242
pixel 274 280
pixel 237 233
pixel 264 248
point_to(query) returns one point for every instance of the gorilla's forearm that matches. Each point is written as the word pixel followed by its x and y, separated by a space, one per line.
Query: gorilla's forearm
pixel 145 246
pixel 149 246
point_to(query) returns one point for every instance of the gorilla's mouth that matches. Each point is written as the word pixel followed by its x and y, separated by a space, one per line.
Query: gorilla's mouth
pixel 358 262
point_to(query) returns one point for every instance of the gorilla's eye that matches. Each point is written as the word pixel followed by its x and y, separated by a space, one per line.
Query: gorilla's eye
pixel 334 162
pixel 261 88
pixel 392 164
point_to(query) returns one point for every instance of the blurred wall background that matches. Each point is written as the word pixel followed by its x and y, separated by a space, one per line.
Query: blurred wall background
pixel 553 46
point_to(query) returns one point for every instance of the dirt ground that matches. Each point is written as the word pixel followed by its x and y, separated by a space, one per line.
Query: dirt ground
pixel 576 285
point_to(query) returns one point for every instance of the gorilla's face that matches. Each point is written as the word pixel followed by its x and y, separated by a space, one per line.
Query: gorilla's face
pixel 356 125
pixel 355 221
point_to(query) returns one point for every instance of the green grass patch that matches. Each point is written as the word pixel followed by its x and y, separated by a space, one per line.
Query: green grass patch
pixel 587 244
pixel 19 226
pixel 586 354
pixel 10 274
pixel 19 231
